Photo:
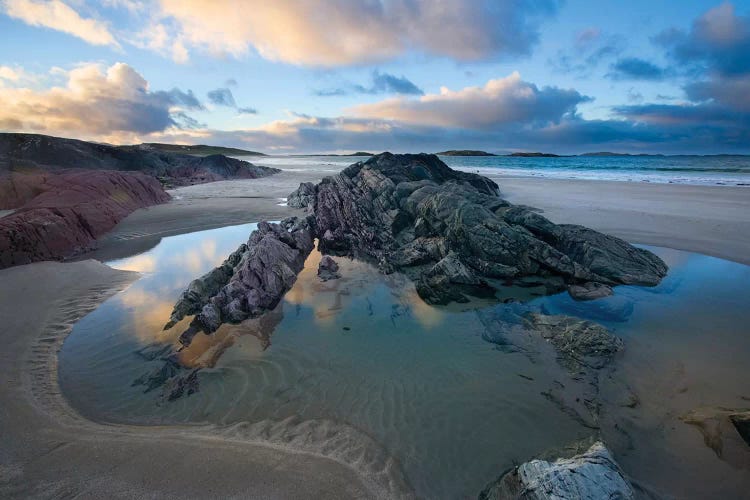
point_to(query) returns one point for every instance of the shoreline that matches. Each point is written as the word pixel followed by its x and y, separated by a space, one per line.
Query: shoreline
pixel 50 446
pixel 49 449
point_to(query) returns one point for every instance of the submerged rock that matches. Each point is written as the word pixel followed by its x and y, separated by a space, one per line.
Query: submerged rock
pixel 590 291
pixel 592 475
pixel 726 431
pixel 451 233
pixel 582 344
pixel 328 269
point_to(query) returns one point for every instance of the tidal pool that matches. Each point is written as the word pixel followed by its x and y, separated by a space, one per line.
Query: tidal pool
pixel 452 409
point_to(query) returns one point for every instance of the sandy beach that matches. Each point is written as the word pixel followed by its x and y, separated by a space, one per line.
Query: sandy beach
pixel 50 451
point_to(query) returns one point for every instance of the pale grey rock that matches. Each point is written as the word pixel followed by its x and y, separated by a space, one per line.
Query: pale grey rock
pixel 592 475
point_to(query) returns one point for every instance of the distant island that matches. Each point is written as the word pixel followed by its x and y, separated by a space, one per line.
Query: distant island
pixel 200 149
pixel 464 152
pixel 535 155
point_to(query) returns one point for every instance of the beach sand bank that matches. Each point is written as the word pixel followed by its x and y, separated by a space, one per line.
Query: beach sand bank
pixel 48 450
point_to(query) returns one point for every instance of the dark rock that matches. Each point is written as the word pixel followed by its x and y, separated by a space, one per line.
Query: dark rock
pixel 589 291
pixel 251 281
pixel 592 475
pixel 63 213
pixel 580 343
pixel 741 422
pixel 303 196
pixel 40 153
pixel 454 236
pixel 328 269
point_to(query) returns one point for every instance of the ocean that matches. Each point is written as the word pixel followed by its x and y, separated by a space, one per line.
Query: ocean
pixel 701 170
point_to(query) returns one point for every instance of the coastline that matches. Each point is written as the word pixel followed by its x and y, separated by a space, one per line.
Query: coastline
pixel 48 450
pixel 48 444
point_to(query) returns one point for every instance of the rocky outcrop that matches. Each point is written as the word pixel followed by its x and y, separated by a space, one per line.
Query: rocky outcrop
pixel 246 287
pixel 592 475
pixel 328 269
pixel 40 153
pixel 453 234
pixel 303 196
pixel 250 282
pixel 65 212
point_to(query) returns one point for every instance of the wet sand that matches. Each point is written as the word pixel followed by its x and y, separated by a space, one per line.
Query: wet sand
pixel 48 450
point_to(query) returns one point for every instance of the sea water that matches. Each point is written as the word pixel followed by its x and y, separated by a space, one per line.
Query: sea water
pixel 453 410
pixel 707 170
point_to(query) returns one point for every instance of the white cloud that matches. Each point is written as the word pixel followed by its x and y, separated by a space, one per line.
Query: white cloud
pixel 59 16
pixel 95 103
pixel 502 101
pixel 343 32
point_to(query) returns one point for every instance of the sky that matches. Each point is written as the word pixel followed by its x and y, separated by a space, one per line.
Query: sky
pixel 317 76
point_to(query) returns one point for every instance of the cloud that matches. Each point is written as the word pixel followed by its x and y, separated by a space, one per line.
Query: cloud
pixel 224 97
pixel 501 102
pixel 382 83
pixel 590 47
pixel 633 68
pixel 718 41
pixel 732 92
pixel 343 32
pixel 57 15
pixel 96 102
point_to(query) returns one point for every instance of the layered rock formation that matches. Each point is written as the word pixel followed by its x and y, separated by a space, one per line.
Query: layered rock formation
pixel 592 475
pixel 32 153
pixel 250 282
pixel 453 234
pixel 63 213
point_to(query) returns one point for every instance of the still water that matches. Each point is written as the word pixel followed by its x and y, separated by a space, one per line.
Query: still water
pixel 453 410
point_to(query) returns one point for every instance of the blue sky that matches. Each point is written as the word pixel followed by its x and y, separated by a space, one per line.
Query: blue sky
pixel 296 76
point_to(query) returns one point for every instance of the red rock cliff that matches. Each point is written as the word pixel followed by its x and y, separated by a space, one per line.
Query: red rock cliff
pixel 64 212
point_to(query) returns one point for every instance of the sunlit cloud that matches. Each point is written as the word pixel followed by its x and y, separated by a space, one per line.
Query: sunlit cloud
pixel 343 32
pixel 94 102
pixel 499 102
pixel 59 16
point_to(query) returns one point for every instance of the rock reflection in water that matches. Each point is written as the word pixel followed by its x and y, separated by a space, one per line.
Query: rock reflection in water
pixel 454 409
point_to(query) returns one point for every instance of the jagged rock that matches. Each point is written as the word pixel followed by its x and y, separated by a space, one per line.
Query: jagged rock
pixel 200 290
pixel 63 213
pixel 328 269
pixel 590 291
pixel 250 282
pixel 592 475
pixel 303 196
pixel 411 212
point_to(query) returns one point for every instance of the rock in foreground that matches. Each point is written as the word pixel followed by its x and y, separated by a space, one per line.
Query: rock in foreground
pixel 593 475
pixel 67 211
pixel 453 234
pixel 328 269
pixel 251 281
